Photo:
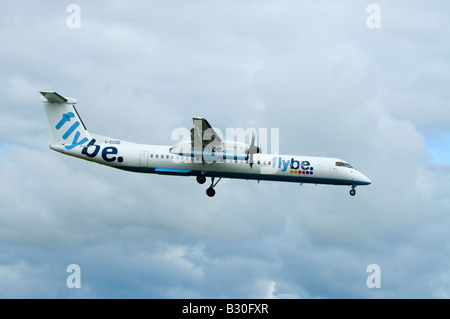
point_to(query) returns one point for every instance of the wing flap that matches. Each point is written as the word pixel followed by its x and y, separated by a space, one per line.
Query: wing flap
pixel 203 133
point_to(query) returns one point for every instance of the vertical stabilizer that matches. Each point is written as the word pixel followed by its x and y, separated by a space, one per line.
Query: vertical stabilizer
pixel 65 124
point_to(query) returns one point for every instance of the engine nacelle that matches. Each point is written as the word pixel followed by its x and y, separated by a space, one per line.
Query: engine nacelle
pixel 213 151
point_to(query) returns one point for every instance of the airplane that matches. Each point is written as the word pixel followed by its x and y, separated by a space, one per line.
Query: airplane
pixel 204 155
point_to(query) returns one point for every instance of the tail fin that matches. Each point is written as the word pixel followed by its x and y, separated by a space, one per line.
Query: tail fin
pixel 66 125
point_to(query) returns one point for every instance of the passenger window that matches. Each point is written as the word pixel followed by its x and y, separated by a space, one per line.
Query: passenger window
pixel 156 156
pixel 151 155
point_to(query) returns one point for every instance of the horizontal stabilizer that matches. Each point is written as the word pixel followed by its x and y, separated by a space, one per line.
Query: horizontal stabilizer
pixel 54 97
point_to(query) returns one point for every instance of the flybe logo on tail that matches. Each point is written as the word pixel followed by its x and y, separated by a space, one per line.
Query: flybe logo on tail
pixel 75 142
pixel 296 167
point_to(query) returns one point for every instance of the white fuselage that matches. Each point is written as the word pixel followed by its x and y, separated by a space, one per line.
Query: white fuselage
pixel 157 159
pixel 204 155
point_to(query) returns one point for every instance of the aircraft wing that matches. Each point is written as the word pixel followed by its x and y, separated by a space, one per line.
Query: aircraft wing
pixel 202 133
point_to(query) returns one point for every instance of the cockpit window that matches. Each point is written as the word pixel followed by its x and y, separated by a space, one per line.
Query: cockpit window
pixel 343 164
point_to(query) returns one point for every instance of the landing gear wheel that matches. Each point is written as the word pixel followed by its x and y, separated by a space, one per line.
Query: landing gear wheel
pixel 201 179
pixel 210 192
pixel 352 192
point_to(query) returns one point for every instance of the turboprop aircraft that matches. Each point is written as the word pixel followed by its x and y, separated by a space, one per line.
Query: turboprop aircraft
pixel 204 155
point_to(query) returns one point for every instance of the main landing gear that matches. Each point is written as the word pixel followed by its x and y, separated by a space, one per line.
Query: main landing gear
pixel 353 191
pixel 201 179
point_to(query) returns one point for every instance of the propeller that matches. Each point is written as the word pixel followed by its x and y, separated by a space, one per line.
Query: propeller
pixel 252 149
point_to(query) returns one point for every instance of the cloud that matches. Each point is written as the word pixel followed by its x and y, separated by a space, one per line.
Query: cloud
pixel 314 70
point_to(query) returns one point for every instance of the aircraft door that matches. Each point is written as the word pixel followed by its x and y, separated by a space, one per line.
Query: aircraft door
pixel 143 159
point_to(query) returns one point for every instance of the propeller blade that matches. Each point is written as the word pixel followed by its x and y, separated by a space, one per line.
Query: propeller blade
pixel 252 150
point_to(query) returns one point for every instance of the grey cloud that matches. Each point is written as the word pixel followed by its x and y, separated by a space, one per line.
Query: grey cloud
pixel 314 70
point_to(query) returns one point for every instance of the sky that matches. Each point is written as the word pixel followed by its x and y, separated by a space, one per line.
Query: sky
pixel 321 72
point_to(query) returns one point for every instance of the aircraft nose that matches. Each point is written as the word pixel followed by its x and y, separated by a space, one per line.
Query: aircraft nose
pixel 363 179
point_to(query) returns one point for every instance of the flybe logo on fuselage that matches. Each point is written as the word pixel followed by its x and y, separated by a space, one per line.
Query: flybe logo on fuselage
pixel 107 153
pixel 296 167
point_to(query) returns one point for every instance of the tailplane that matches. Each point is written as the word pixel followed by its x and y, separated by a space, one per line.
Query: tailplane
pixel 66 125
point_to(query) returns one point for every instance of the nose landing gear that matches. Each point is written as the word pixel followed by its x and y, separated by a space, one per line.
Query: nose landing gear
pixel 353 191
